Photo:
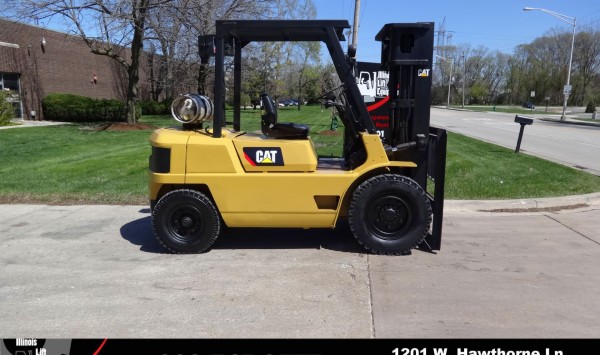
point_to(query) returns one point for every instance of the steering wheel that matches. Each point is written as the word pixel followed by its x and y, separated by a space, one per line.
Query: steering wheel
pixel 327 93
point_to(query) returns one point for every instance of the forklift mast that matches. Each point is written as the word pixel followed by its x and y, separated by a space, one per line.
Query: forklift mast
pixel 407 56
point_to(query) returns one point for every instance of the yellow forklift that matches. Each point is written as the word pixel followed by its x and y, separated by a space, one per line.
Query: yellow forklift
pixel 206 176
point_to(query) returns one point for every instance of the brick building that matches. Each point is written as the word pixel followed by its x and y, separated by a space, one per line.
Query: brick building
pixel 36 62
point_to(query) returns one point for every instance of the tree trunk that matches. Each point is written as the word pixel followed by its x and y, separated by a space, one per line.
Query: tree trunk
pixel 139 21
pixel 131 113
pixel 132 89
pixel 202 76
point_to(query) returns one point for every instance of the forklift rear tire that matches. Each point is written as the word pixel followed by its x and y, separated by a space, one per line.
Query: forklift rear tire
pixel 389 214
pixel 186 221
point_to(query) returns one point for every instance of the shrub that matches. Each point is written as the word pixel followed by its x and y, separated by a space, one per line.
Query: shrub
pixel 7 111
pixel 75 108
pixel 156 108
pixel 591 107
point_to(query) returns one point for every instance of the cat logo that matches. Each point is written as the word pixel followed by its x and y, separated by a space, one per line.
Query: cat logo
pixel 423 73
pixel 266 156
pixel 263 156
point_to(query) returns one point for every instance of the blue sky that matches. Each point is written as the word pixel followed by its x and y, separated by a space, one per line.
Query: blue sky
pixel 498 25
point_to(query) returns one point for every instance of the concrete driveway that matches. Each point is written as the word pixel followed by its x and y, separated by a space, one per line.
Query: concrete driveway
pixel 96 271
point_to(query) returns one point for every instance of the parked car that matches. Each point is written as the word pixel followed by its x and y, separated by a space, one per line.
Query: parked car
pixel 528 105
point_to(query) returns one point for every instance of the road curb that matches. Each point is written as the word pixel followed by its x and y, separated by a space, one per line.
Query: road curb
pixel 521 205
pixel 576 123
pixel 513 205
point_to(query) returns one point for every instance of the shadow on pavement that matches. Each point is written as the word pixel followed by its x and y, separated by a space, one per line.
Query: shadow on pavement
pixel 139 232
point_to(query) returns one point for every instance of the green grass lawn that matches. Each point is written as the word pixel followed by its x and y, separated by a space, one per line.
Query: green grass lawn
pixel 77 164
pixel 479 170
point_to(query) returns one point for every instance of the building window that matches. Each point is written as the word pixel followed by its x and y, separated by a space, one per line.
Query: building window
pixel 10 81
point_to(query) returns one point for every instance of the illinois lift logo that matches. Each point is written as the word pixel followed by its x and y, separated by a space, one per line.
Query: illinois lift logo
pixel 263 156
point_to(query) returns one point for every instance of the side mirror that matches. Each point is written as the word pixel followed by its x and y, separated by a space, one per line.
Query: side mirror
pixel 352 51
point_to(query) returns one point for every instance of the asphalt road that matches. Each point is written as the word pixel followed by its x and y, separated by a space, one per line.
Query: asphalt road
pixel 97 271
pixel 576 146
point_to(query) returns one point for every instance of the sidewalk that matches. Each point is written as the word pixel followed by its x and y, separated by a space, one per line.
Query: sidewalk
pixel 98 271
pixel 568 120
pixel 20 123
pixel 524 205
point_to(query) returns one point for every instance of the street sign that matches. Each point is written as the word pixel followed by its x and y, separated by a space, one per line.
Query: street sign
pixel 533 94
pixel 567 89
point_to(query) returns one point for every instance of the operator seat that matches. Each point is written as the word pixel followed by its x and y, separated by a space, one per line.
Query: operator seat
pixel 271 128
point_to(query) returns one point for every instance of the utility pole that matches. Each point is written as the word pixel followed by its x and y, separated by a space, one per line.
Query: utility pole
pixel 449 78
pixel 355 25
pixel 573 22
pixel 464 78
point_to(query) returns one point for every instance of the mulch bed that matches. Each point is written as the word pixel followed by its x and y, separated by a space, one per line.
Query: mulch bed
pixel 119 126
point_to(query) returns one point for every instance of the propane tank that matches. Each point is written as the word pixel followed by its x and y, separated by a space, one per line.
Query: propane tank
pixel 192 108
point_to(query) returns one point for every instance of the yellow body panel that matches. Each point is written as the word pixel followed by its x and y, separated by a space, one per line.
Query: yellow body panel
pixel 294 195
pixel 297 154
pixel 176 140
pixel 208 155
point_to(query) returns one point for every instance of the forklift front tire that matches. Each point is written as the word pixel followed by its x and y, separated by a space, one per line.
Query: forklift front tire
pixel 186 221
pixel 389 214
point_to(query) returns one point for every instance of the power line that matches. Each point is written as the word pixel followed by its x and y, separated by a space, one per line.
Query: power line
pixel 364 9
pixel 589 23
pixel 589 14
pixel 480 34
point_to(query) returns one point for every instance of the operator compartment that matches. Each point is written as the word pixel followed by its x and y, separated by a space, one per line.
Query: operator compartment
pixel 259 153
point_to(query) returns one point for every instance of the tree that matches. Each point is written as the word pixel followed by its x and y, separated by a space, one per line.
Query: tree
pixel 281 68
pixel 586 59
pixel 539 66
pixel 165 29
pixel 199 16
pixel 7 111
pixel 306 53
pixel 543 67
pixel 112 28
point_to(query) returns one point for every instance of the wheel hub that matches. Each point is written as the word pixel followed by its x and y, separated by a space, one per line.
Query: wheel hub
pixel 186 222
pixel 389 216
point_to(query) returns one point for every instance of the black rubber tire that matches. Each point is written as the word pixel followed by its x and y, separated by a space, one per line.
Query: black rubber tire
pixel 186 221
pixel 389 214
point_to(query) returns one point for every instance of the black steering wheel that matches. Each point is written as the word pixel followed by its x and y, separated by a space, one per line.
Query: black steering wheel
pixel 327 94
